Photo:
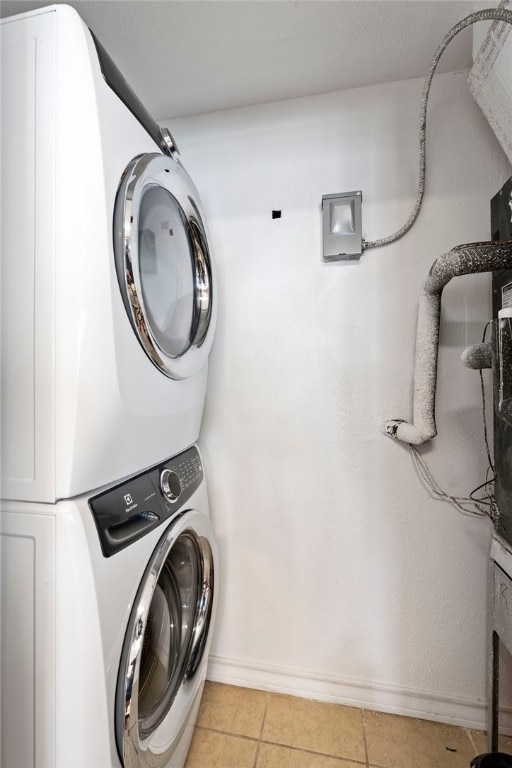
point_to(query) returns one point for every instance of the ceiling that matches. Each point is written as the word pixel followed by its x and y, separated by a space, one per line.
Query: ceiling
pixel 184 57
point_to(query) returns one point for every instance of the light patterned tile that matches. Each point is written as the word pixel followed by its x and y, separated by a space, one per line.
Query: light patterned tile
pixel 316 726
pixel 272 756
pixel 505 744
pixel 210 749
pixel 232 709
pixel 480 739
pixel 403 742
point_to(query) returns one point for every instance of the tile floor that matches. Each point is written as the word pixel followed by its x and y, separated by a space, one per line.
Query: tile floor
pixel 246 728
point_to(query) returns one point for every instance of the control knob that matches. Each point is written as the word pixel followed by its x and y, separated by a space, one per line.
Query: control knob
pixel 171 485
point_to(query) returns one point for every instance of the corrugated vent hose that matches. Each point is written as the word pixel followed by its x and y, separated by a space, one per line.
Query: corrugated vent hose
pixel 493 14
pixel 462 260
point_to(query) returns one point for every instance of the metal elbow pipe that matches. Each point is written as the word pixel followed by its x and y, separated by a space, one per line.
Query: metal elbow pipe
pixel 462 260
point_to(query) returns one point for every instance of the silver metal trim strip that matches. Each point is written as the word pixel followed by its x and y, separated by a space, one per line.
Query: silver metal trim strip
pixel 143 172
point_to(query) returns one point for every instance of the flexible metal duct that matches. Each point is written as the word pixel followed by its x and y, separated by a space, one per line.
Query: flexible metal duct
pixel 462 260
pixel 496 14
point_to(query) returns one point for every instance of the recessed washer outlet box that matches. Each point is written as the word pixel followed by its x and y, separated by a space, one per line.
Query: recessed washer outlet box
pixel 342 226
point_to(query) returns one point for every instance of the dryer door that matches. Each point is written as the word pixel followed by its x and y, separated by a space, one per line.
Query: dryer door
pixel 163 664
pixel 163 264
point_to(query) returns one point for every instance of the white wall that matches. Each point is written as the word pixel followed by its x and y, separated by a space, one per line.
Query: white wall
pixel 341 578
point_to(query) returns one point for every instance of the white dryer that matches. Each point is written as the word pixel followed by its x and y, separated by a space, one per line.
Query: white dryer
pixel 108 605
pixel 108 295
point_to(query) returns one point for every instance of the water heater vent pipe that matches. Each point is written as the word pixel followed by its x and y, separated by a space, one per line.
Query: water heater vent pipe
pixel 462 260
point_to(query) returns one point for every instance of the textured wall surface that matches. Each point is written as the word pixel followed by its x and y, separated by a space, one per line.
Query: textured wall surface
pixel 341 577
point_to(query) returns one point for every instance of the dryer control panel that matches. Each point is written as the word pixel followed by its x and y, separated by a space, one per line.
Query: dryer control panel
pixel 131 509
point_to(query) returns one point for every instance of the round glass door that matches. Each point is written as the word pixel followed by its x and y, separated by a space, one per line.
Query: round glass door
pixel 166 639
pixel 168 633
pixel 163 264
pixel 167 276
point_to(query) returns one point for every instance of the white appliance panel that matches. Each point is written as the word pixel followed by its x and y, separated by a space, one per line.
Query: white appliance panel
pixel 66 609
pixel 82 403
pixel 27 235
pixel 27 662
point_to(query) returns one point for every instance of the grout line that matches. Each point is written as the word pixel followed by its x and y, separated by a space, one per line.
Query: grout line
pixel 343 758
pixel 261 731
pixel 471 740
pixel 227 733
pixel 264 715
pixel 366 755
pixel 257 754
pixel 363 764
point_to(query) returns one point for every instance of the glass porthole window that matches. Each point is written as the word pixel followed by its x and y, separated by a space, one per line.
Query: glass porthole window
pixel 165 643
pixel 168 633
pixel 166 261
pixel 163 264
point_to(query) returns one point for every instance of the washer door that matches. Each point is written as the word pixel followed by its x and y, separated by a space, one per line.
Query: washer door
pixel 163 264
pixel 166 639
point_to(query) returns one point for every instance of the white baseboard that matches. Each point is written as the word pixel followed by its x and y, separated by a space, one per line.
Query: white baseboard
pixel 357 693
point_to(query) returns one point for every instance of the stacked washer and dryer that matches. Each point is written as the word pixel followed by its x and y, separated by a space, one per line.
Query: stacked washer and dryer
pixel 109 560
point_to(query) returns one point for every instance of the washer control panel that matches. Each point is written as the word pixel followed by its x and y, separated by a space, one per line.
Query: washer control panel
pixel 131 509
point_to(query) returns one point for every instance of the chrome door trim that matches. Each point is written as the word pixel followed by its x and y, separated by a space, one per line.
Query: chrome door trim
pixel 203 615
pixel 136 751
pixel 144 172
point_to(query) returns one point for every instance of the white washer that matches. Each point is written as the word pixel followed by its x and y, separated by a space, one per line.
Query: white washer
pixel 108 296
pixel 105 637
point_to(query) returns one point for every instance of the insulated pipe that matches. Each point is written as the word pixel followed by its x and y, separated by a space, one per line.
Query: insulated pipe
pixel 477 356
pixel 462 260
pixel 496 14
